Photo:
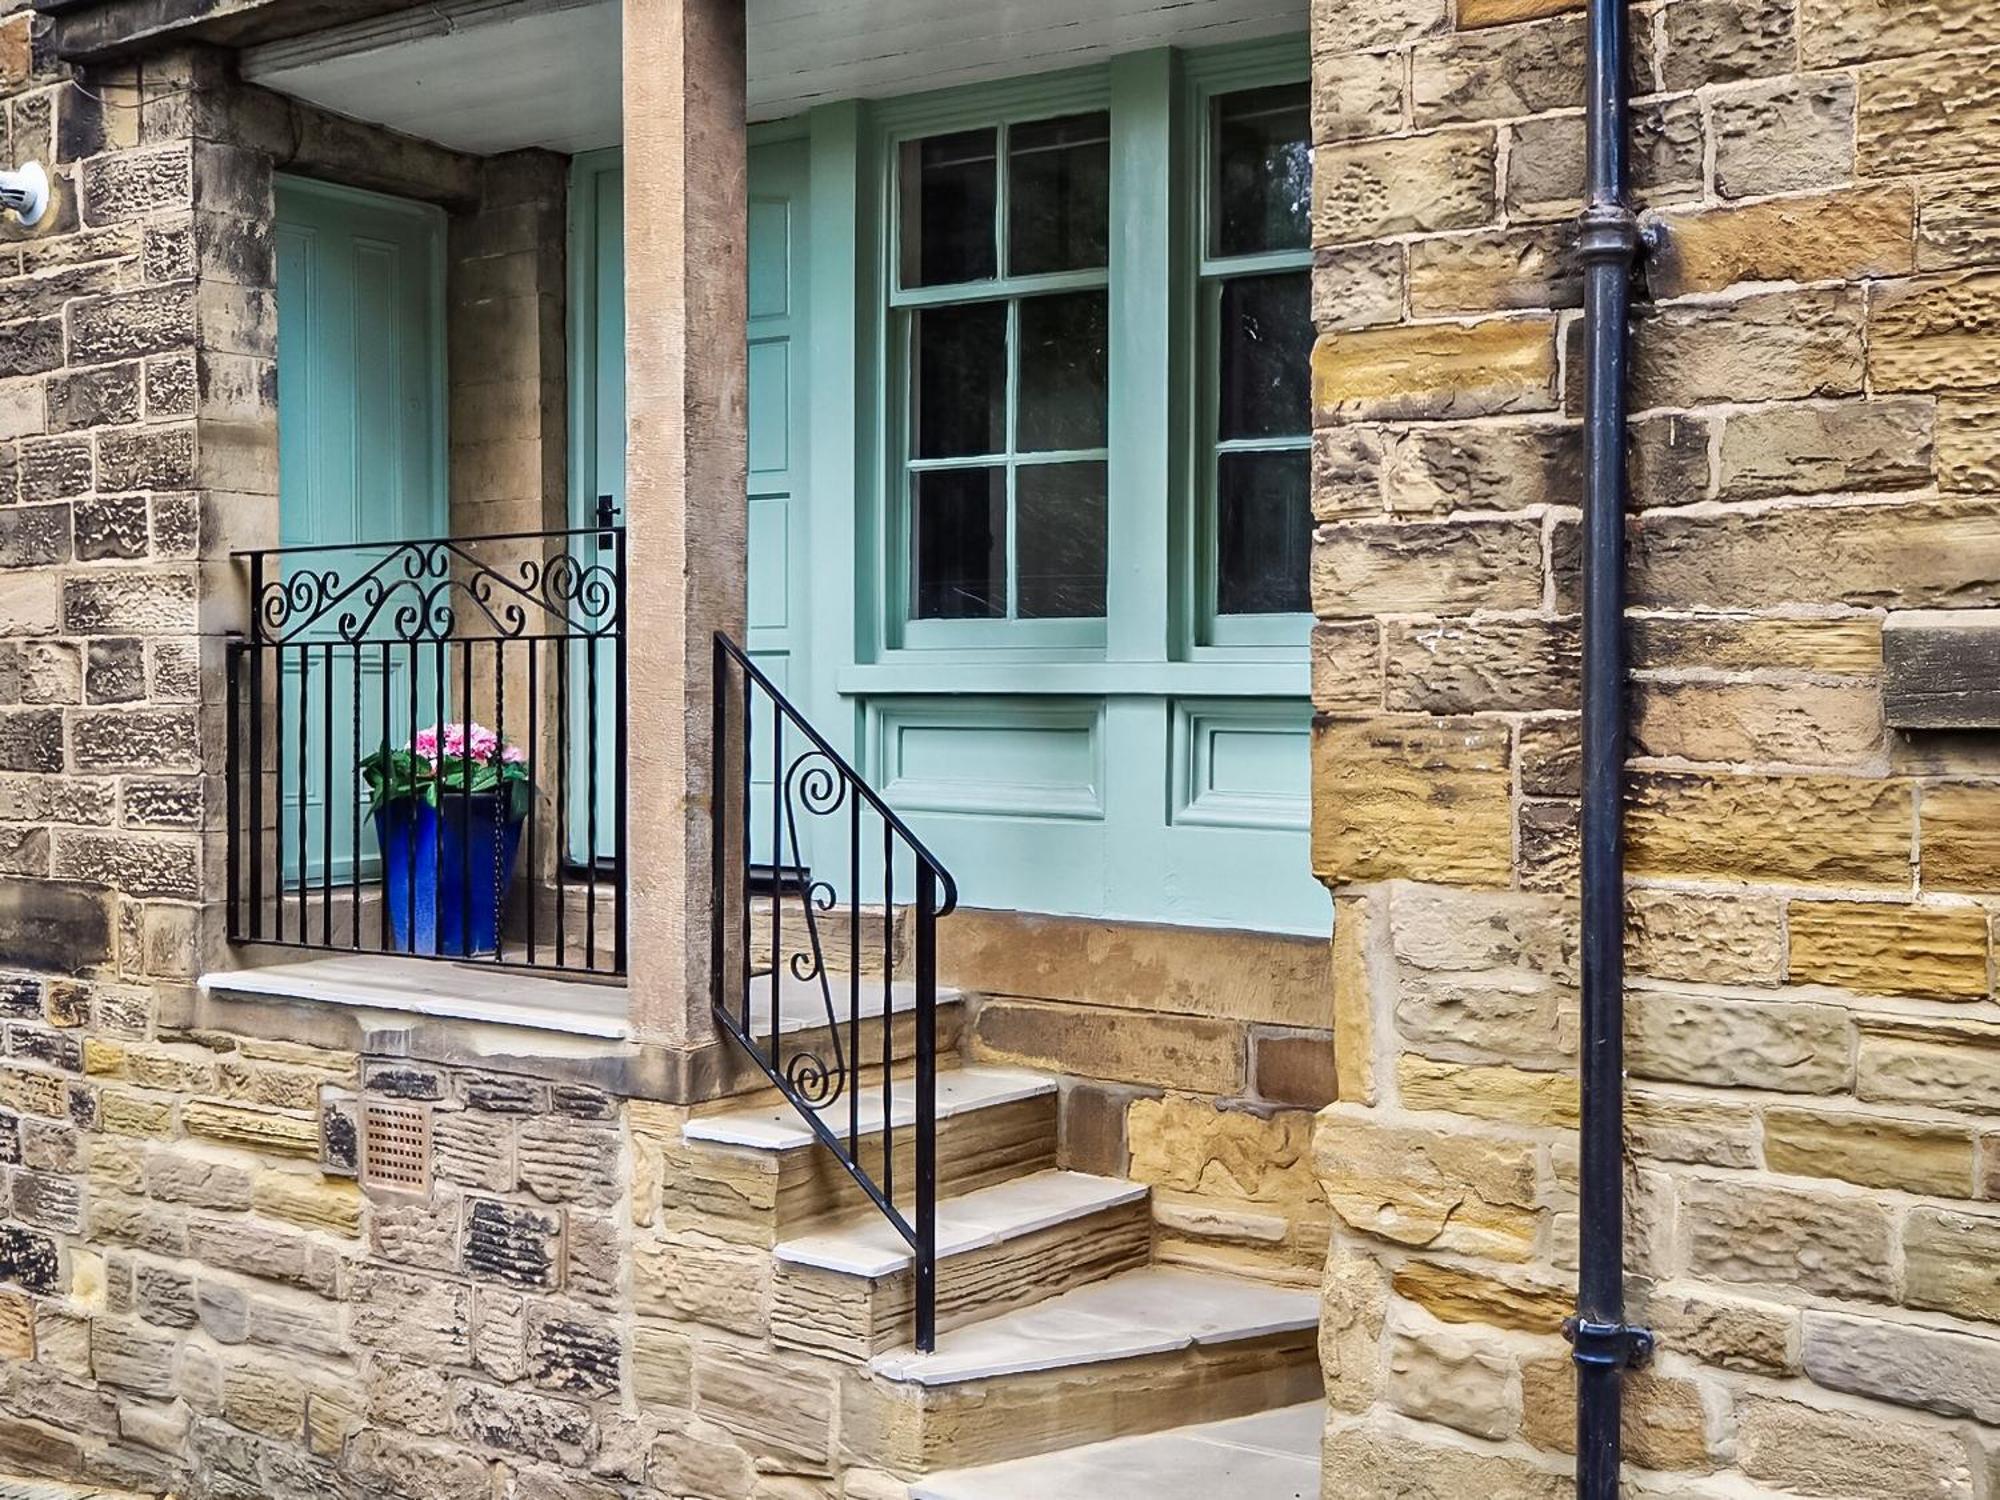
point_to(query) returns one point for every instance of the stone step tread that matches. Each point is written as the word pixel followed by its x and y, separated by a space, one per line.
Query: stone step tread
pixel 777 1127
pixel 869 1246
pixel 1273 1455
pixel 12 1488
pixel 1155 1310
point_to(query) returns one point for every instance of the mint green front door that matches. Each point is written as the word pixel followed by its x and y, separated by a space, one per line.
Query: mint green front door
pixel 360 460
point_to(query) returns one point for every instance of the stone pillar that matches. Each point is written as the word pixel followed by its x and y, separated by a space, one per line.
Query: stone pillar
pixel 686 405
pixel 1810 1030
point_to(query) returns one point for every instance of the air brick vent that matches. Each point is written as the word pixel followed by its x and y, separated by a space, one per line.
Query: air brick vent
pixel 396 1146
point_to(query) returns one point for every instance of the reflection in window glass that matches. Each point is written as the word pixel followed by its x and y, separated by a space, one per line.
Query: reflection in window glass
pixel 1058 194
pixel 1060 537
pixel 1266 354
pixel 1260 328
pixel 1062 372
pixel 1006 373
pixel 1262 161
pixel 958 396
pixel 948 188
pixel 959 543
pixel 1263 532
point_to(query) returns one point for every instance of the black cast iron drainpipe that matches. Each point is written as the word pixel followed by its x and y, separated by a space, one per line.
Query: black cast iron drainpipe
pixel 1608 245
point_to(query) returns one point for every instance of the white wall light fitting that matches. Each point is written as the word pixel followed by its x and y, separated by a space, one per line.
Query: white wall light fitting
pixel 26 192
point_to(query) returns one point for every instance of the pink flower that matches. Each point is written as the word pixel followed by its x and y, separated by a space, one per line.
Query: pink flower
pixel 485 743
pixel 425 743
pixel 514 755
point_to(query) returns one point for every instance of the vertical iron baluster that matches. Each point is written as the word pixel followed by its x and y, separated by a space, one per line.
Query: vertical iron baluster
pixel 888 1013
pixel 326 798
pixel 534 770
pixel 926 978
pixel 854 972
pixel 777 879
pixel 620 776
pixel 718 817
pixel 234 659
pixel 410 826
pixel 354 810
pixel 305 813
pixel 387 663
pixel 256 675
pixel 564 708
pixel 466 668
pixel 749 929
pixel 442 699
pixel 278 793
pixel 590 802
pixel 502 808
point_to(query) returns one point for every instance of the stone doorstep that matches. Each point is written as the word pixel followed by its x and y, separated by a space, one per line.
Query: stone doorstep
pixel 1157 1310
pixel 776 1127
pixel 869 1246
pixel 1271 1456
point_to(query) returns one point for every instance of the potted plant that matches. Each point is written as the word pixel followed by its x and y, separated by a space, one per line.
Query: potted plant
pixel 448 809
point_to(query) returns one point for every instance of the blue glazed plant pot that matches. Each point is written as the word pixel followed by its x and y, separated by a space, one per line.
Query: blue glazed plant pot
pixel 445 872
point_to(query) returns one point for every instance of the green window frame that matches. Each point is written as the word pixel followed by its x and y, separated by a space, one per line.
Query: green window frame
pixel 1164 288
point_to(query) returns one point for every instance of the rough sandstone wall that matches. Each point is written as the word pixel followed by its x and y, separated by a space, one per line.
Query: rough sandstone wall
pixel 1813 1041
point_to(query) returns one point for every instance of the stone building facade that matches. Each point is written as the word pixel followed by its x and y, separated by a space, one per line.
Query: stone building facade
pixel 570 1301
pixel 1811 1028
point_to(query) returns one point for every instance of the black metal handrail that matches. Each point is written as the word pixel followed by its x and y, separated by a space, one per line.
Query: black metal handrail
pixel 426 749
pixel 848 820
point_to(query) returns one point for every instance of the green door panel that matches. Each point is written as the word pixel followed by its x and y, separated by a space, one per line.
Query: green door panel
pixel 360 460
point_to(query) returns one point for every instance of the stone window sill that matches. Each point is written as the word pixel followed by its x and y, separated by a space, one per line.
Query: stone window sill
pixel 435 991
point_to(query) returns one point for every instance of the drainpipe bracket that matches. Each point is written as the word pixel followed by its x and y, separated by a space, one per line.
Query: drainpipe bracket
pixel 1616 1345
pixel 1608 232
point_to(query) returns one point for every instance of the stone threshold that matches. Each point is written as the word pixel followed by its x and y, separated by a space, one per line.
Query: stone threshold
pixel 449 991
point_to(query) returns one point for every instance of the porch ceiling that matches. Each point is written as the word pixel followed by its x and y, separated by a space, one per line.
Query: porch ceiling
pixel 499 75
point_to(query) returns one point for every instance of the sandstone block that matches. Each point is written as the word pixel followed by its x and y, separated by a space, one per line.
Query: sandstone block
pixel 1664 1421
pixel 1416 185
pixel 1765 1236
pixel 1968 444
pixel 1748 722
pixel 415 1317
pixel 1354 939
pixel 1909 1156
pixel 1293 1068
pixel 1930 334
pixel 1720 41
pixel 1545 160
pixel 1843 236
pixel 1413 1186
pixel 1707 939
pixel 785 1402
pixel 1433 371
pixel 1732 1332
pixel 129 601
pixel 1793 829
pixel 1456 1378
pixel 1365 1460
pixel 1779 1045
pixel 1522 1017
pixel 259 1129
pixel 1357 286
pixel 1833 32
pixel 1500 269
pixel 1934 113
pixel 1955 1374
pixel 1422 799
pixel 310 1201
pixel 1483 466
pixel 1479 75
pixel 1874 445
pixel 1444 567
pixel 1890 948
pixel 1185 1052
pixel 1778 346
pixel 1190 1145
pixel 1959 836
pixel 1456 1295
pixel 418 1469
pixel 1952 1066
pixel 1356 94
pixel 1816 1451
pixel 1346 667
pixel 1947 1260
pixel 1958 222
pixel 1479 666
pixel 1487 1092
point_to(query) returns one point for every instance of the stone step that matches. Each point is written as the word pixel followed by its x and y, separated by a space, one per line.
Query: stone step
pixel 850 1290
pixel 1273 1455
pixel 757 1174
pixel 1137 1353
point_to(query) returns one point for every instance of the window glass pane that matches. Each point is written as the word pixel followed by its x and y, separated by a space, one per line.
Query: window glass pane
pixel 1262 194
pixel 958 548
pixel 1265 339
pixel 947 189
pixel 1062 372
pixel 1058 194
pixel 1059 528
pixel 1263 533
pixel 958 386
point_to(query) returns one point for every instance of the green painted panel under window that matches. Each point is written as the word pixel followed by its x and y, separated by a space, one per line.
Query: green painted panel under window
pixel 360 459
